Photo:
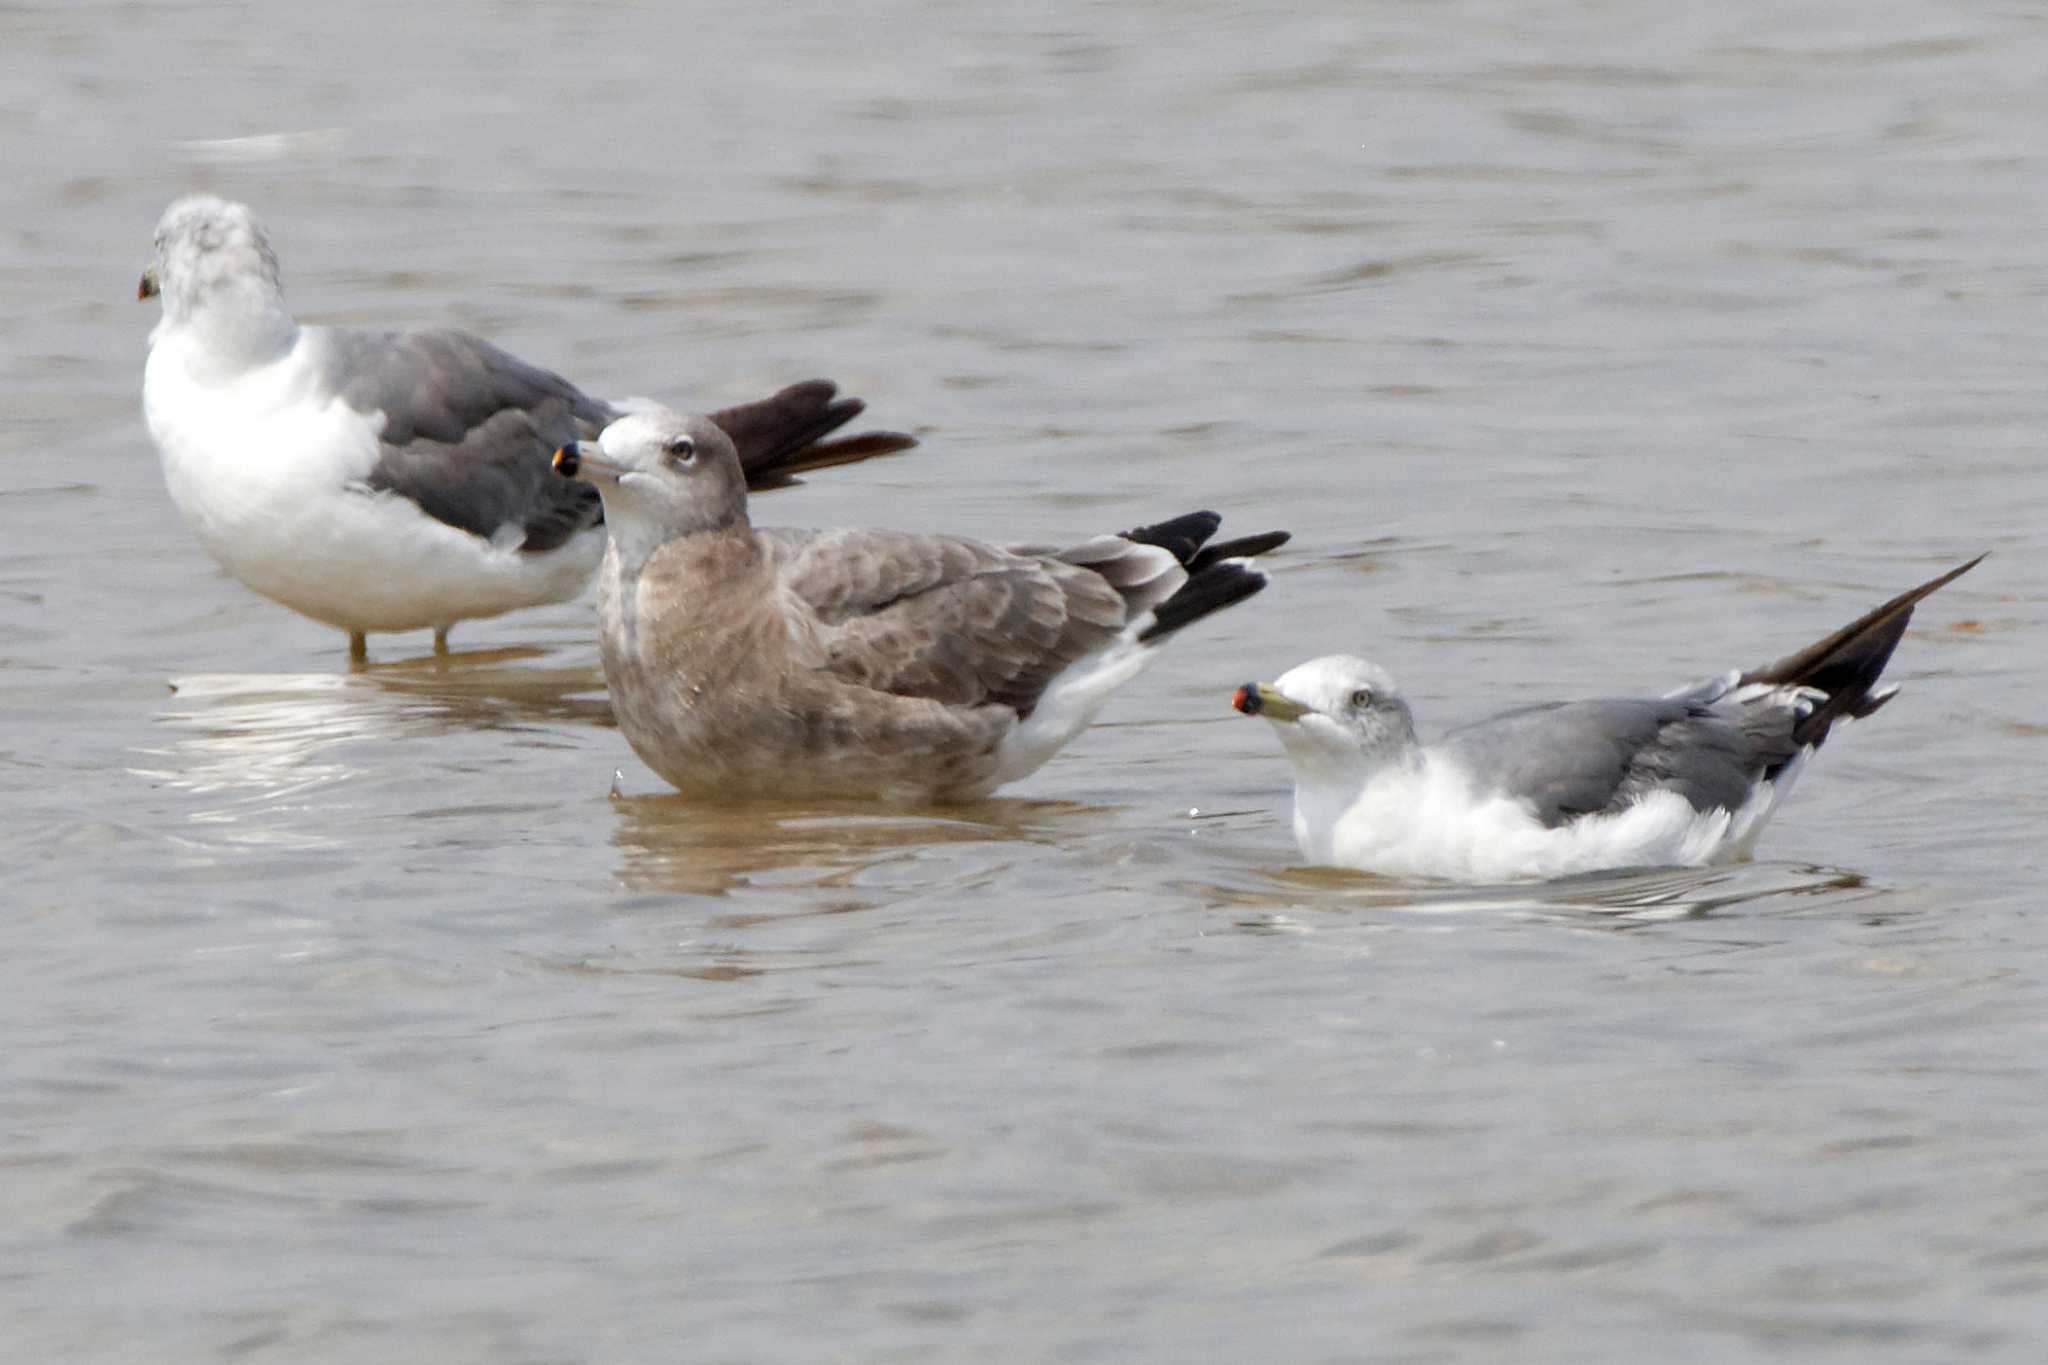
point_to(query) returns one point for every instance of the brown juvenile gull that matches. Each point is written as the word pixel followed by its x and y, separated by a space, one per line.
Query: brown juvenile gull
pixel 382 481
pixel 1685 779
pixel 880 664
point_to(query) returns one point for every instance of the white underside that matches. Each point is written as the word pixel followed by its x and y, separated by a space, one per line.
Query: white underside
pixel 1427 821
pixel 269 478
pixel 1077 694
pixel 1070 704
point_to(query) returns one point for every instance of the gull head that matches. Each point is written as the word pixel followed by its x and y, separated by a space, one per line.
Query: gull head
pixel 211 254
pixel 662 475
pixel 1338 712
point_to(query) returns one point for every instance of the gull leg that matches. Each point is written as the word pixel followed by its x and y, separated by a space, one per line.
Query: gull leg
pixel 358 647
pixel 441 639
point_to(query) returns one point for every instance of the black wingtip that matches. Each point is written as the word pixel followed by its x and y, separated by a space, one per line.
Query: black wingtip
pixel 1846 665
pixel 1244 547
pixel 1186 537
pixel 1182 536
pixel 825 454
pixel 1213 589
pixel 783 435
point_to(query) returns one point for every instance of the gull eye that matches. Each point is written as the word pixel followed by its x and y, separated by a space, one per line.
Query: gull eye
pixel 1362 698
pixel 679 449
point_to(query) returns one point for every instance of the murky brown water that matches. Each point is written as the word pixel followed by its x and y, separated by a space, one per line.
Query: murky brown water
pixel 1584 347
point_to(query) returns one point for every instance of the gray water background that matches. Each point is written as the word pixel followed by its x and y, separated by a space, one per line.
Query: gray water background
pixel 1585 347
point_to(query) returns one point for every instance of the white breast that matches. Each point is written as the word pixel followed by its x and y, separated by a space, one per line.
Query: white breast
pixel 1428 822
pixel 269 475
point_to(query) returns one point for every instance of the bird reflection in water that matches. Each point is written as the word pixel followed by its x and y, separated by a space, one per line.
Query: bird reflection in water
pixel 1615 900
pixel 262 741
pixel 843 855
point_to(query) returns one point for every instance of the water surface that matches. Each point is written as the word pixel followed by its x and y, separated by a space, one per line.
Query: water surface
pixel 351 1015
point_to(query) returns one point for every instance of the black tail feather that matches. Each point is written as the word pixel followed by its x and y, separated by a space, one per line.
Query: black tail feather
pixel 1846 665
pixel 782 436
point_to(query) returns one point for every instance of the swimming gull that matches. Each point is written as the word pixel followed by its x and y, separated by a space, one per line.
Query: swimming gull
pixel 1687 779
pixel 391 481
pixel 846 663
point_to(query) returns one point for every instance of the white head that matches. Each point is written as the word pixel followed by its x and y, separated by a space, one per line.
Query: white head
pixel 662 475
pixel 212 257
pixel 1337 715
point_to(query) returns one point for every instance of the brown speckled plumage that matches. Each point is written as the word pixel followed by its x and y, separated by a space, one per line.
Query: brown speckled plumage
pixel 846 663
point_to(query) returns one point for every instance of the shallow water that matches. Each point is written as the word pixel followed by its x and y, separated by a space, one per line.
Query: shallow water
pixel 350 1015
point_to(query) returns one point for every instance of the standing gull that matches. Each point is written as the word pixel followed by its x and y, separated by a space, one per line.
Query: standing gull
pixel 1544 791
pixel 843 663
pixel 391 481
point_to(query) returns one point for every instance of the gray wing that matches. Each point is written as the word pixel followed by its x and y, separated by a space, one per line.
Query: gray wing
pixel 953 620
pixel 469 432
pixel 1569 759
pixel 1711 742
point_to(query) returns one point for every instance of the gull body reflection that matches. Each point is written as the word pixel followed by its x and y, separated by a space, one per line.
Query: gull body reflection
pixel 675 843
pixel 259 746
pixel 1289 899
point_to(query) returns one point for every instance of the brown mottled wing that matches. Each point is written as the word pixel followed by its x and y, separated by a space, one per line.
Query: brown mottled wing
pixel 953 620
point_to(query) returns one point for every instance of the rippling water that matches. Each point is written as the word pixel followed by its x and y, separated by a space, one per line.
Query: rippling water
pixel 354 1015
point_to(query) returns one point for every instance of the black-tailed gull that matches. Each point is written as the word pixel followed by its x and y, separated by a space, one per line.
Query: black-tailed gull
pixel 1544 791
pixel 390 481
pixel 745 662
